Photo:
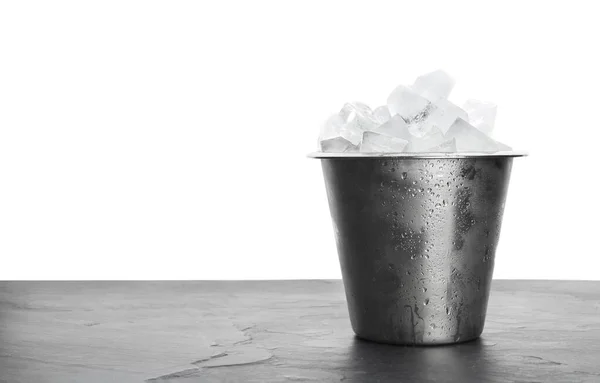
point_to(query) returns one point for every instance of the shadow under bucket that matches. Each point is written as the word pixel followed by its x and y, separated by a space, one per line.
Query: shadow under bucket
pixel 416 236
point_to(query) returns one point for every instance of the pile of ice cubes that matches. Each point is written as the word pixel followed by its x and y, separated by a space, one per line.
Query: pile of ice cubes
pixel 418 118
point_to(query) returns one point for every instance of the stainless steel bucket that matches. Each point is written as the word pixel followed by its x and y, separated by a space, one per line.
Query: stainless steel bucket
pixel 416 236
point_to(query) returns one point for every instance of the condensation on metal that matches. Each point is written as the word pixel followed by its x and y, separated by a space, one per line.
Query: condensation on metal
pixel 416 238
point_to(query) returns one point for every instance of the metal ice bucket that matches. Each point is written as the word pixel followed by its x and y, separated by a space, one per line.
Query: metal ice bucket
pixel 416 236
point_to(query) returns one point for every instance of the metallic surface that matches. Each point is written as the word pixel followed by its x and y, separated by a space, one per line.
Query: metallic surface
pixel 416 239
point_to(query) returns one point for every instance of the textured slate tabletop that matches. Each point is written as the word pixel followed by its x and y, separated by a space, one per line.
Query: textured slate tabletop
pixel 285 331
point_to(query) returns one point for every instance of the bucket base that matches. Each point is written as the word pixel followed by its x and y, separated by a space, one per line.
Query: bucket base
pixel 419 344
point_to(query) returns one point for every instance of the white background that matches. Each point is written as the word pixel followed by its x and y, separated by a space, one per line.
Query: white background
pixel 167 140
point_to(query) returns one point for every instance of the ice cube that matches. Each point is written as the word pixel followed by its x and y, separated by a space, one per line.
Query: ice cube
pixel 349 123
pixel 354 107
pixel 356 118
pixel 446 146
pixel 395 127
pixel 337 145
pixel 422 144
pixel 481 115
pixel 434 86
pixel 470 139
pixel 418 118
pixel 443 116
pixel 331 128
pixel 335 127
pixel 358 115
pixel 382 114
pixel 376 142
pixel 503 147
pixel 408 104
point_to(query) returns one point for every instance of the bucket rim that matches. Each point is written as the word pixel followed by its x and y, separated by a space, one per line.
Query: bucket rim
pixel 426 155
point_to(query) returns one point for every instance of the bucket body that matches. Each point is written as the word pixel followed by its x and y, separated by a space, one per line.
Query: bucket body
pixel 416 239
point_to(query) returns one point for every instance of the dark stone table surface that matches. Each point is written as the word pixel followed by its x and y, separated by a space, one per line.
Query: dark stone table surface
pixel 280 331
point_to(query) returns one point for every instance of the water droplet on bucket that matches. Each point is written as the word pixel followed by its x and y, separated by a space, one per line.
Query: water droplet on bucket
pixel 404 175
pixel 426 302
